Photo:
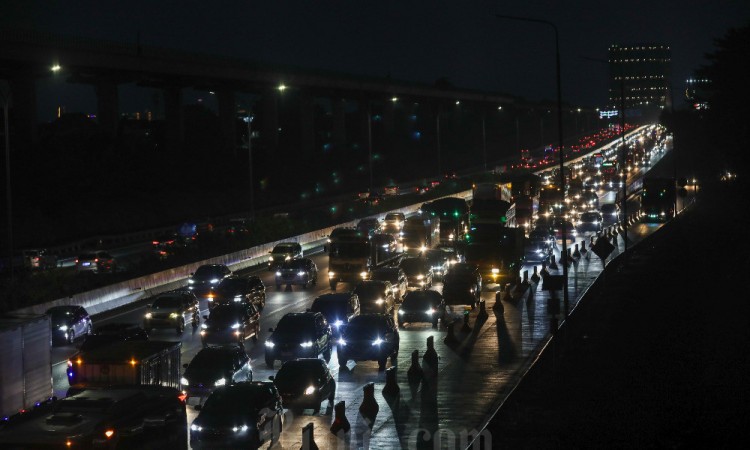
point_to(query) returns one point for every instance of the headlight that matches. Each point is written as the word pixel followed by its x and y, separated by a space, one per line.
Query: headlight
pixel 184 381
pixel 63 328
pixel 220 382
pixel 235 326
pixel 331 274
pixel 401 312
pixel 191 281
pixel 195 427
pixel 420 277
pixel 379 301
pixel 270 344
pixel 377 341
pixel 270 258
pixel 148 316
pixel 241 429
pixel 310 390
pixel 341 341
pixel 450 237
pixel 300 274
pixel 237 298
pixel 204 326
pixel 495 271
pixel 338 323
pixel 430 311
pixel 173 315
pixel 214 281
pixel 363 274
pixel 287 258
pixel 306 344
pixel 422 248
pixel 278 274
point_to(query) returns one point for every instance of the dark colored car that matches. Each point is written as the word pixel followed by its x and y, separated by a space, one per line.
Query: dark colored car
pixel 206 278
pixel 234 289
pixel 284 251
pixel 338 309
pixel 539 245
pixel 299 335
pixel 340 234
pixel 570 230
pixel 302 271
pixel 395 276
pixel 440 260
pixel 375 296
pixel 212 367
pixel 305 383
pixel 589 222
pixel 462 285
pixel 172 309
pixel 169 244
pixel 421 306
pixel 113 332
pixel 418 272
pixel 369 337
pixel 68 323
pixel 369 226
pixel 230 323
pixel 108 418
pixel 242 415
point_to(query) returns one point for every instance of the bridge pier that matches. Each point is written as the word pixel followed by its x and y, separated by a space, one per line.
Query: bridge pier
pixel 107 107
pixel 173 119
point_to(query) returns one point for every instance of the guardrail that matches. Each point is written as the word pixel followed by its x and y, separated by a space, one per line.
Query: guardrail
pixel 119 294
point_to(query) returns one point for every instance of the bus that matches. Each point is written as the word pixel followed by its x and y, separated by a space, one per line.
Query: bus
pixel 658 198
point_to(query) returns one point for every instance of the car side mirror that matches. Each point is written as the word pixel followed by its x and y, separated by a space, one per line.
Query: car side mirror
pixel 191 274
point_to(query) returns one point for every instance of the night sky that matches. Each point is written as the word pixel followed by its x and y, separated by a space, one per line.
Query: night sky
pixel 417 40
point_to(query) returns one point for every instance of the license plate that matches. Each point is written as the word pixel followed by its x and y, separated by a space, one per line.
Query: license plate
pixel 286 354
pixel 86 264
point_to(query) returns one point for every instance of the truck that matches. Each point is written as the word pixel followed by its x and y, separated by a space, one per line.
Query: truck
pixel 453 213
pixel 352 260
pixel 497 250
pixel 420 233
pixel 127 363
pixel 25 368
pixel 658 197
pixel 491 191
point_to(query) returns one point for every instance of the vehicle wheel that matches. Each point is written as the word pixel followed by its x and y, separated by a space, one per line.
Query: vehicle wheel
pixel 181 326
pixel 394 359
pixel 277 429
pixel 263 302
pixel 269 363
pixel 88 330
pixel 315 280
pixel 255 337
pixel 71 337
pixel 343 359
pixel 327 354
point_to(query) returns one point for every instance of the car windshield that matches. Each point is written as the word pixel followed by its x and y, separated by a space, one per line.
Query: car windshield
pixel 206 272
pixel 393 217
pixel 232 285
pixel 411 266
pixel 435 256
pixel 225 314
pixel 87 256
pixel 298 373
pixel 294 324
pixel 350 249
pixel 236 400
pixel 421 300
pixel 60 313
pixel 97 340
pixel 331 308
pixel 284 248
pixel 385 275
pixel 367 291
pixel 366 327
pixel 167 302
pixel 295 264
pixel 210 357
pixel 589 217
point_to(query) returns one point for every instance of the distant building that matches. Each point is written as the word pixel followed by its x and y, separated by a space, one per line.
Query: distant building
pixel 642 71
pixel 697 92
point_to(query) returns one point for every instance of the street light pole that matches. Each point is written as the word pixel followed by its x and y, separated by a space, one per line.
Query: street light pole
pixel 564 252
pixel 8 198
pixel 249 120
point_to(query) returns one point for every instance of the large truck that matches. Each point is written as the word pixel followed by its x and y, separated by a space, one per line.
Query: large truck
pixel 127 363
pixel 497 250
pixel 658 198
pixel 420 233
pixel 351 260
pixel 453 213
pixel 25 368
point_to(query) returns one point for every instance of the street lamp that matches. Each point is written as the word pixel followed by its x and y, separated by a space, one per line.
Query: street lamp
pixel 249 120
pixel 564 252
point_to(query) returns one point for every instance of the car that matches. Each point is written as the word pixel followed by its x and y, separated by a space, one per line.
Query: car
pixel 375 296
pixel 420 306
pixel 338 309
pixel 112 332
pixel 304 384
pixel 172 309
pixel 590 221
pixel 238 227
pixel 212 367
pixel 462 283
pixel 302 271
pixel 299 335
pixel 144 416
pixel 369 337
pixel 369 226
pixel 538 245
pixel 610 213
pixel 96 262
pixel 396 277
pixel 283 252
pixel 206 278
pixel 394 221
pixel 168 244
pixel 235 289
pixel 440 259
pixel 39 259
pixel 230 323
pixel 570 230
pixel 241 415
pixel 68 323
pixel 418 272
pixel 340 234
pixel 390 190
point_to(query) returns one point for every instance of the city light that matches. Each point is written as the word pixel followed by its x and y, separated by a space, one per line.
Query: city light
pixel 56 68
pixel 282 87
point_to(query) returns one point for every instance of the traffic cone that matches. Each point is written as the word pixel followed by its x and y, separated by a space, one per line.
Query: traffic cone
pixel 535 277
pixel 583 247
pixel 340 422
pixel 415 374
pixel 369 407
pixel 569 258
pixel 450 338
pixel 552 264
pixel 466 328
pixel 308 439
pixel 482 314
pixel 544 271
pixel 430 360
pixel 576 253
pixel 391 388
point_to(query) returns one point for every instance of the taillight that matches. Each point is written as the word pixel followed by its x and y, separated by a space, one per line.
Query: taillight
pixel 155 242
pixel 96 259
pixel 109 433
